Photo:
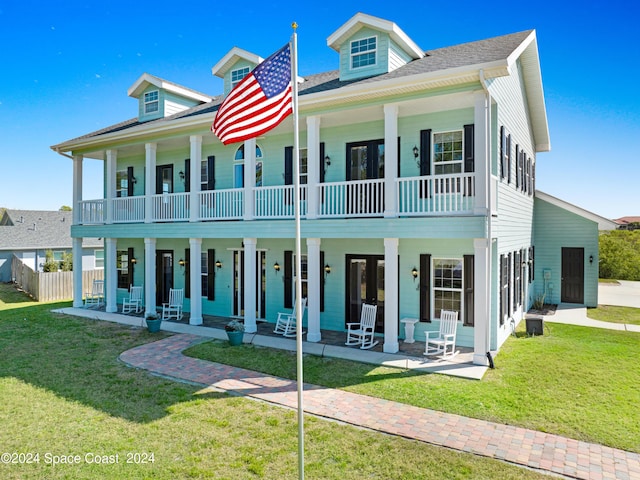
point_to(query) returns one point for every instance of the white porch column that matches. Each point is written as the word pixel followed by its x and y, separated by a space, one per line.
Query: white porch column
pixel 482 163
pixel 482 301
pixel 314 277
pixel 76 251
pixel 314 163
pixel 77 190
pixel 111 275
pixel 391 160
pixel 195 274
pixel 110 181
pixel 249 179
pixel 149 181
pixel 149 276
pixel 250 279
pixel 390 295
pixel 194 180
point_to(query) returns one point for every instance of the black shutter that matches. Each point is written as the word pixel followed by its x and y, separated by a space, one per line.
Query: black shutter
pixel 425 152
pixel 158 180
pixel 130 266
pixel 503 296
pixel 533 177
pixel 532 263
pixel 469 278
pixel 517 161
pixel 211 172
pixel 288 279
pixel 288 165
pixel 399 157
pixel 508 157
pixel 187 272
pixel 320 163
pixel 523 157
pixel 321 281
pixel 503 150
pixel 509 284
pixel 425 287
pixel 129 181
pixel 187 175
pixel 469 149
pixel 211 274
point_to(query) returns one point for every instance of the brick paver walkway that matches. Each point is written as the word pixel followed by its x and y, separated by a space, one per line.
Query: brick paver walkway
pixel 537 450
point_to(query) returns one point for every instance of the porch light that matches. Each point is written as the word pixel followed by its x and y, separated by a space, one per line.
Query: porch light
pixel 181 175
pixel 134 260
pixel 416 152
pixel 134 180
pixel 590 258
pixel 182 262
pixel 327 163
pixel 218 264
pixel 327 269
pixel 414 273
pixel 276 267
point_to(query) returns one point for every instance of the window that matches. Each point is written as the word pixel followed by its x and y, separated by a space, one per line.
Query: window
pixel 238 168
pixel 151 104
pixel 204 175
pixel 122 183
pixel 447 285
pixel 99 254
pixel 303 166
pixel 204 268
pixel 363 52
pixel 238 75
pixel 447 152
pixel 122 266
pixel 303 277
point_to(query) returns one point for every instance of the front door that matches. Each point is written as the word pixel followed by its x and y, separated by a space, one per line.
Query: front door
pixel 365 284
pixel 365 161
pixel 572 290
pixel 164 275
pixel 239 284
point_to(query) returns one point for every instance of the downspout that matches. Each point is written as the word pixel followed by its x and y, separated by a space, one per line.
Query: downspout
pixel 483 83
pixel 62 153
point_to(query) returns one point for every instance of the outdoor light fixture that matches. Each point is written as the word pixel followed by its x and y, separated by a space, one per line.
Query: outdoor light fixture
pixel 416 152
pixel 276 267
pixel 327 162
pixel 414 273
pixel 218 264
pixel 327 269
pixel 134 260
pixel 590 258
pixel 181 175
pixel 134 180
pixel 181 262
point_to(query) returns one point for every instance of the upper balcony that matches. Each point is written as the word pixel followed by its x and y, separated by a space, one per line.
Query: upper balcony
pixel 433 195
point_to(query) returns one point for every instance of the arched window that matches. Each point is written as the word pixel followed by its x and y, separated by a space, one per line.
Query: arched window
pixel 238 167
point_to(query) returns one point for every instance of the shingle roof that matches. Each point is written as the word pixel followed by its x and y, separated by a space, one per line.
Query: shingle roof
pixel 38 229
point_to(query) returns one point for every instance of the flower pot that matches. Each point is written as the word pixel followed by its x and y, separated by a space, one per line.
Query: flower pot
pixel 153 325
pixel 235 338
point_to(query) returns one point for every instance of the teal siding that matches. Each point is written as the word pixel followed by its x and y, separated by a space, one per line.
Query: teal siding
pixel 554 228
pixel 236 66
pixel 143 117
pixel 382 56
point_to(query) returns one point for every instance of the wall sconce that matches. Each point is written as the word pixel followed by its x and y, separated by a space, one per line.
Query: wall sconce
pixel 327 270
pixel 134 260
pixel 414 273
pixel 590 258
pixel 182 262
pixel 327 162
pixel 218 264
pixel 276 267
pixel 134 180
pixel 416 153
pixel 181 175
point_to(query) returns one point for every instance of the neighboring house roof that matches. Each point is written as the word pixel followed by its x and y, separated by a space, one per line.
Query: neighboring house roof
pixel 459 64
pixel 603 223
pixel 147 79
pixel 627 220
pixel 38 229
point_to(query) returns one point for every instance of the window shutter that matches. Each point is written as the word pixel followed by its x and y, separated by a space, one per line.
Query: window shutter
pixel 523 157
pixel 211 274
pixel 322 281
pixel 130 266
pixel 129 181
pixel 517 161
pixel 509 284
pixel 503 282
pixel 187 175
pixel 425 287
pixel 469 278
pixel 288 279
pixel 469 148
pixel 533 177
pixel 508 158
pixel 211 172
pixel 320 163
pixel 399 157
pixel 288 165
pixel 187 272
pixel 158 179
pixel 425 152
pixel 532 272
pixel 503 150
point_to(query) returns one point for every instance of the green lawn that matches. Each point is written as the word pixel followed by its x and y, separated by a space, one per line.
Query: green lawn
pixel 574 381
pixel 615 314
pixel 66 397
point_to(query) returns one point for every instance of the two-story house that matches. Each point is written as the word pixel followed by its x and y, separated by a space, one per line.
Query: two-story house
pixel 417 173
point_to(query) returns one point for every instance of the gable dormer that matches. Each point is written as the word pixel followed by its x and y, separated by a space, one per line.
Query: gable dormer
pixel 158 98
pixel 234 66
pixel 370 46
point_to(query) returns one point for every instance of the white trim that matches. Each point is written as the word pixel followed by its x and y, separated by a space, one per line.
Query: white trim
pixel 361 53
pixel 232 57
pixel 146 79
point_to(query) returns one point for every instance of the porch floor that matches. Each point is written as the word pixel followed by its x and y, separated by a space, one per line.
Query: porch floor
pixel 409 356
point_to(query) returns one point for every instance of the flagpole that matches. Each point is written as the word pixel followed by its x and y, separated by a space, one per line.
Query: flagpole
pixel 298 289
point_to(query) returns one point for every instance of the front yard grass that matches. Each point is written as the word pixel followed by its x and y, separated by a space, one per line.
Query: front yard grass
pixel 615 314
pixel 573 381
pixel 64 393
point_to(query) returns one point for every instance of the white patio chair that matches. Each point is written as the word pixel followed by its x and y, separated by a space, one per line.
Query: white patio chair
pixel 95 297
pixel 134 302
pixel 362 332
pixel 286 322
pixel 440 341
pixel 173 309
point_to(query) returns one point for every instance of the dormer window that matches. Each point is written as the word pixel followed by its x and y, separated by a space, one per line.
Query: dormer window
pixel 237 75
pixel 363 52
pixel 151 104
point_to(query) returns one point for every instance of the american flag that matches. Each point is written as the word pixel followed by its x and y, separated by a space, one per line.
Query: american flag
pixel 259 102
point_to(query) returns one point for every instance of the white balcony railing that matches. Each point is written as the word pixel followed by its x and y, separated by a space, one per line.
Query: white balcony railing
pixel 416 196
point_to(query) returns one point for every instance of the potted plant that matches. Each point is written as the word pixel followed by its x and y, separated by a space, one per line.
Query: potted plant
pixel 235 332
pixel 153 322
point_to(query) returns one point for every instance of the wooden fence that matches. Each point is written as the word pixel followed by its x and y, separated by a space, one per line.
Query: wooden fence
pixel 49 286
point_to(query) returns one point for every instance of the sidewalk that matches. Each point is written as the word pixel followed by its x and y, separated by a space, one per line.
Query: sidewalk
pixel 537 450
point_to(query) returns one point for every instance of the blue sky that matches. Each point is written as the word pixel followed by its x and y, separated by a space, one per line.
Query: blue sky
pixel 66 68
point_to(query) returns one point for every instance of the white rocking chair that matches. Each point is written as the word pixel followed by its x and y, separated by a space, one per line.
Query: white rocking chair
pixel 96 296
pixel 440 341
pixel 134 302
pixel 286 322
pixel 173 309
pixel 362 333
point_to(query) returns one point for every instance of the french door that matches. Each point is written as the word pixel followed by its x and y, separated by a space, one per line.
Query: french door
pixel 240 285
pixel 365 284
pixel 365 161
pixel 164 275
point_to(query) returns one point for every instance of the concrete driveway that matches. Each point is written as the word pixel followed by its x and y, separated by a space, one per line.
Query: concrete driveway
pixel 626 294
